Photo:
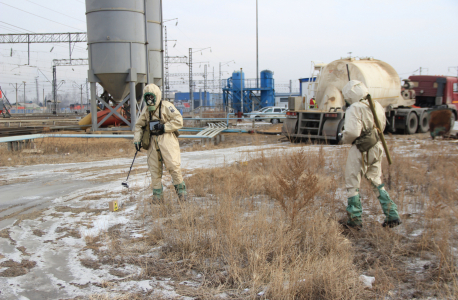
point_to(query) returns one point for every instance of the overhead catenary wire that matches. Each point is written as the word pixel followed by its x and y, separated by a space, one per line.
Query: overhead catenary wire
pixel 16 26
pixel 55 11
pixel 40 16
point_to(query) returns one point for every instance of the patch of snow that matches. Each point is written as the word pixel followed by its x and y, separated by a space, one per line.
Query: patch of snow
pixel 367 280
pixel 103 222
pixel 144 285
pixel 417 232
pixel 222 296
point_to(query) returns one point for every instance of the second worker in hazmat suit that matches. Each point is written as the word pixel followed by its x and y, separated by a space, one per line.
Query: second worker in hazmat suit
pixel 365 155
pixel 157 130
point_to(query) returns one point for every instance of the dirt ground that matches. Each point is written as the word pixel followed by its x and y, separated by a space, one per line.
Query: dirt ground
pixel 261 222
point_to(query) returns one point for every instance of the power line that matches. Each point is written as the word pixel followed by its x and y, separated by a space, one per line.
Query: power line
pixel 16 26
pixel 55 11
pixel 39 16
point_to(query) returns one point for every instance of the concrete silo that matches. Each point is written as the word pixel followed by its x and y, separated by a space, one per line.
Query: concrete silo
pixel 125 53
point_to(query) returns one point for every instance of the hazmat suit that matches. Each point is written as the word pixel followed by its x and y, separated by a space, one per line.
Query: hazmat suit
pixel 163 120
pixel 359 123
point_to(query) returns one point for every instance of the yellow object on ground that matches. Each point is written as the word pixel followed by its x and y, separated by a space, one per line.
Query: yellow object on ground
pixel 85 121
pixel 167 143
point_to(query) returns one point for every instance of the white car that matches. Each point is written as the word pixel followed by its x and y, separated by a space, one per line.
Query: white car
pixel 272 113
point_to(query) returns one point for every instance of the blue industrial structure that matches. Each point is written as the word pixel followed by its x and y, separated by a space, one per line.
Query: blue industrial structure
pixel 238 90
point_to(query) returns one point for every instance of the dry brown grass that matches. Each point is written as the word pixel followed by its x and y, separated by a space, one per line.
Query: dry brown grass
pixel 14 269
pixel 241 235
pixel 69 150
pixel 61 150
pixel 270 226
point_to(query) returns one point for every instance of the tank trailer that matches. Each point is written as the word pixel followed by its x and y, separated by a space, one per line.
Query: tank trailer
pixel 407 106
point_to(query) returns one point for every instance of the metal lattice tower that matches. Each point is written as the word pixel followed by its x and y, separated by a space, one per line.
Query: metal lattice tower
pixel 191 94
pixel 38 94
pixel 166 66
pixel 205 85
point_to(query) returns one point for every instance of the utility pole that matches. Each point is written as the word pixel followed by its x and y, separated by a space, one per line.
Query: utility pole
pixel 205 85
pixel 220 85
pixel 38 95
pixel 44 102
pixel 166 63
pixel 70 46
pixel 81 98
pixel 257 48
pixel 54 87
pixel 191 83
pixel 252 104
pixel 191 96
pixel 80 87
pixel 17 103
pixel 87 94
pixel 24 91
pixel 241 88
pixel 28 51
pixel 166 66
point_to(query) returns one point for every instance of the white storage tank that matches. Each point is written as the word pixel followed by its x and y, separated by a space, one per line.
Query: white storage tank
pixel 381 79
pixel 125 49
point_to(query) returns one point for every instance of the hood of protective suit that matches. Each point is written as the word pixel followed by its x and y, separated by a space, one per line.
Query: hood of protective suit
pixel 152 95
pixel 354 91
pixel 153 89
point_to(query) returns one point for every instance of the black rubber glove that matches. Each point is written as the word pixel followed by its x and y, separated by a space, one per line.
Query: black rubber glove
pixel 159 127
pixel 138 146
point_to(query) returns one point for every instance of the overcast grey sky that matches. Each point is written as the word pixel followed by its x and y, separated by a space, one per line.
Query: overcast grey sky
pixel 407 34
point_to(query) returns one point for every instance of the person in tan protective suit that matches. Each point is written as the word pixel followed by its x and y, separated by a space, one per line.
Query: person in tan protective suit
pixel 156 131
pixel 358 129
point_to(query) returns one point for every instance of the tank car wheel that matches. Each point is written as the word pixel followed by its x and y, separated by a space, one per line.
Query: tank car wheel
pixel 275 121
pixel 340 129
pixel 412 123
pixel 257 119
pixel 423 123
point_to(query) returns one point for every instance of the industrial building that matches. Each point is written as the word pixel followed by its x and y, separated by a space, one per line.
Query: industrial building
pixel 200 98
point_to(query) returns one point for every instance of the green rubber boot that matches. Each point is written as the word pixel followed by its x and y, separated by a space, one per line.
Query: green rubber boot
pixel 389 208
pixel 354 210
pixel 181 191
pixel 158 195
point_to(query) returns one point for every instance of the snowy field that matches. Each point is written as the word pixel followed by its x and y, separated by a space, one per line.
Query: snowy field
pixel 71 201
pixel 50 213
